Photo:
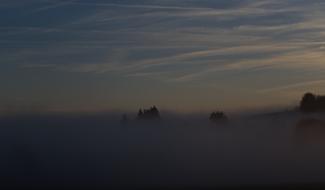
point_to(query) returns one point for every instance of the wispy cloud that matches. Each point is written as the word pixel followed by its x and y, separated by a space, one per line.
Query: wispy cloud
pixel 139 6
pixel 292 86
pixel 53 4
pixel 172 41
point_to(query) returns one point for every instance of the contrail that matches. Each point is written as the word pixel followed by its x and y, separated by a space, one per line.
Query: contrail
pixel 141 6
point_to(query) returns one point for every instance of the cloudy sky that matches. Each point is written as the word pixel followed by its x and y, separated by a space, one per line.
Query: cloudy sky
pixel 181 55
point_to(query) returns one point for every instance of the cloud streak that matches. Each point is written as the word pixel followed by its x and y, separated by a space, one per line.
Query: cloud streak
pixel 174 42
pixel 139 6
pixel 292 86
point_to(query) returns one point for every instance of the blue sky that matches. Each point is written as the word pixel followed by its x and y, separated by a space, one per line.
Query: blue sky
pixel 184 55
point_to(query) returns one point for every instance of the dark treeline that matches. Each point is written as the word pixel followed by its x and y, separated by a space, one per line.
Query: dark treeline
pixel 308 103
pixel 153 114
pixel 149 114
pixel 312 103
pixel 218 117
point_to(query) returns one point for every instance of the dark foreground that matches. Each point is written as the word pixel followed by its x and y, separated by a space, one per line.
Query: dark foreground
pixel 96 152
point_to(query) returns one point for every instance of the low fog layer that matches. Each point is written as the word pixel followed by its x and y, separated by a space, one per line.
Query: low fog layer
pixel 174 152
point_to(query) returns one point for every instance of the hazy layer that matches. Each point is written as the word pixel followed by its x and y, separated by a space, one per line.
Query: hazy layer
pixel 181 152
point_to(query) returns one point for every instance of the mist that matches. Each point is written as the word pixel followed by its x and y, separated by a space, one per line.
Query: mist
pixel 178 151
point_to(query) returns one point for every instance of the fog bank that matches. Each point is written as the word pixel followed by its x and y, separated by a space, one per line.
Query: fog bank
pixel 175 152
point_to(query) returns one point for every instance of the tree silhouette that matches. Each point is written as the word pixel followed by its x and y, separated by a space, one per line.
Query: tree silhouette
pixel 218 117
pixel 149 114
pixel 308 102
pixel 312 103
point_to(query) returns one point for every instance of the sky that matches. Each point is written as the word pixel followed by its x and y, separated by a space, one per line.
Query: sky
pixel 180 55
